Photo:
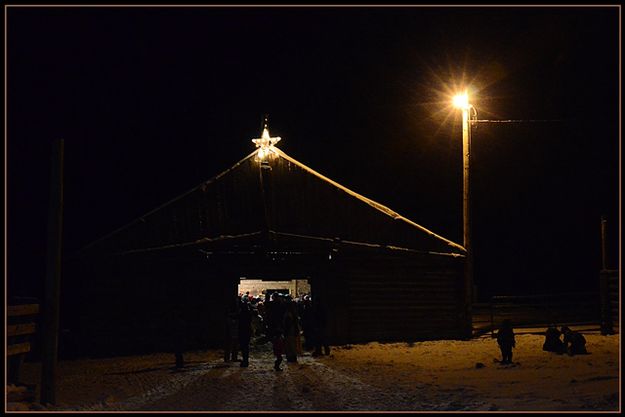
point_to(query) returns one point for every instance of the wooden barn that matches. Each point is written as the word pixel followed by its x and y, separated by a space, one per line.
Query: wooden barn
pixel 381 276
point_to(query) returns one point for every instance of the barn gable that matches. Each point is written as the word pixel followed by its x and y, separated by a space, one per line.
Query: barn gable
pixel 264 203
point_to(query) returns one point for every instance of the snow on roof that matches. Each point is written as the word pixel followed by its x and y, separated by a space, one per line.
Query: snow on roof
pixel 383 209
pixel 379 207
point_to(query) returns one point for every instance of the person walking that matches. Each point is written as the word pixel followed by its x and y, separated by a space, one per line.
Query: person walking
pixel 275 329
pixel 291 331
pixel 277 343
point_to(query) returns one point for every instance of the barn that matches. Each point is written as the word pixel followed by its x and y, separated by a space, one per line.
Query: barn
pixel 269 217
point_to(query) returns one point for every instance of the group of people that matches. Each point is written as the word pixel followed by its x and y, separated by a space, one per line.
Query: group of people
pixel 281 320
pixel 573 342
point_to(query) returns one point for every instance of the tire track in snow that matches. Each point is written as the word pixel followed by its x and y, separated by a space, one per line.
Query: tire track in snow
pixel 152 394
pixel 308 385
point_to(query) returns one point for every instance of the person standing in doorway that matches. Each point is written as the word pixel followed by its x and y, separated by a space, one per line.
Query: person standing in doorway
pixel 245 333
pixel 232 330
pixel 291 331
pixel 308 323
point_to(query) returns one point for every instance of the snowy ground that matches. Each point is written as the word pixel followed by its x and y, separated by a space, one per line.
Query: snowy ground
pixel 424 376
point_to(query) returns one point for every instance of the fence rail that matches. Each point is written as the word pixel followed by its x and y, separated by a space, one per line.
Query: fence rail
pixel 20 329
pixel 537 311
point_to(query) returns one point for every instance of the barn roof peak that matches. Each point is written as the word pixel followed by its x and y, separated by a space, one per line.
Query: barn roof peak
pixel 265 143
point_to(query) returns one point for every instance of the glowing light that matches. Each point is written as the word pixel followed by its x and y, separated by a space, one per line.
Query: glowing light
pixel 461 101
pixel 265 144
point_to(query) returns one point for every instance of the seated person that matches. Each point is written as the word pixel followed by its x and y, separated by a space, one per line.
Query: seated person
pixel 552 340
pixel 574 343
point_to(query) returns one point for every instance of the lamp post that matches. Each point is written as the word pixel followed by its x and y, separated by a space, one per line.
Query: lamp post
pixel 461 101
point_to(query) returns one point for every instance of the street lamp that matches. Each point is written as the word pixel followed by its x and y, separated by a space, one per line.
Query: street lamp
pixel 461 101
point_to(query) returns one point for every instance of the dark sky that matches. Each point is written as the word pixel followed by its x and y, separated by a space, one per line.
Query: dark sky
pixel 152 101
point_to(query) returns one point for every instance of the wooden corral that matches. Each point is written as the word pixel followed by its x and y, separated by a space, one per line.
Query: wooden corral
pixel 381 276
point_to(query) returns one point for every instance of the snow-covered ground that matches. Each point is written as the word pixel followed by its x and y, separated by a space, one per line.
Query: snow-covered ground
pixel 433 375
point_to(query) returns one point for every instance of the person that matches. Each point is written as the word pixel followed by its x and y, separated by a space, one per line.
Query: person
pixel 257 321
pixel 275 330
pixel 552 340
pixel 277 342
pixel 574 342
pixel 320 323
pixel 178 333
pixel 505 340
pixel 275 310
pixel 308 324
pixel 232 331
pixel 291 332
pixel 245 333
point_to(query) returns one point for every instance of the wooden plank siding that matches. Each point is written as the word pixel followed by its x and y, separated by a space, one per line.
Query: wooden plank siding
pixel 18 348
pixel 22 310
pixel 21 325
pixel 21 329
pixel 543 310
pixel 394 299
pixel 127 308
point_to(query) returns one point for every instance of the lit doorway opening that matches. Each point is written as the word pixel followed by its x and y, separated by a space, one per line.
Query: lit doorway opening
pixel 263 288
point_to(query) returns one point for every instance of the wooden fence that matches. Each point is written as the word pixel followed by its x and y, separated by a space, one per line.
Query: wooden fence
pixel 609 284
pixel 537 311
pixel 21 326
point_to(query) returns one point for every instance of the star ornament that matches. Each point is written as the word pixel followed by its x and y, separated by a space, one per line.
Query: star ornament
pixel 266 144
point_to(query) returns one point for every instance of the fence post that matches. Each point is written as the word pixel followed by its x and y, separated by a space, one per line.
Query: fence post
pixel 604 286
pixel 606 305
pixel 50 316
pixel 492 321
pixel 604 265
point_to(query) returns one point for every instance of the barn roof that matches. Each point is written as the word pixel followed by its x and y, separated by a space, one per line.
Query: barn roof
pixel 281 201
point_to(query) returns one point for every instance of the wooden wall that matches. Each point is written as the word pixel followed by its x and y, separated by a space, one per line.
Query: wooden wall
pixel 394 298
pixel 127 304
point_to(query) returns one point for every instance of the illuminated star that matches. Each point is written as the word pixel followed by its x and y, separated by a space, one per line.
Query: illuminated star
pixel 265 143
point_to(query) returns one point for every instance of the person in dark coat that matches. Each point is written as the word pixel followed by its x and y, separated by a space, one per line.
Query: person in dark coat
pixel 232 331
pixel 245 333
pixel 552 340
pixel 320 324
pixel 308 324
pixel 179 336
pixel 574 342
pixel 505 340
pixel 275 331
pixel 291 331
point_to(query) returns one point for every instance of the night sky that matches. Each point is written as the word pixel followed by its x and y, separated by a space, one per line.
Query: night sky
pixel 152 101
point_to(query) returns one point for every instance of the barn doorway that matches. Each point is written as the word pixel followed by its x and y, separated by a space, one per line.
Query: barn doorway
pixel 263 288
pixel 257 293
